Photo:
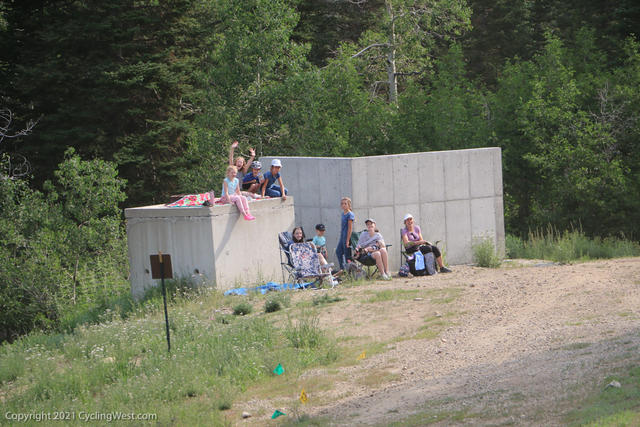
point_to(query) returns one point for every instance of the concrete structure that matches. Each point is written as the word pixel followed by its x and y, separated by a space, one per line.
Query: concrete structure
pixel 213 241
pixel 455 196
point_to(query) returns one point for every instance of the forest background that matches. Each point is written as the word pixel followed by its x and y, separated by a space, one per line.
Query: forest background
pixel 122 103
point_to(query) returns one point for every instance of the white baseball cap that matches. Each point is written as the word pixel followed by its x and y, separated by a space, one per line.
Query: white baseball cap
pixel 407 216
pixel 276 163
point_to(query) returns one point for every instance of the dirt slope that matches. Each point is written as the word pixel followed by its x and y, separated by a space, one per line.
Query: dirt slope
pixel 515 345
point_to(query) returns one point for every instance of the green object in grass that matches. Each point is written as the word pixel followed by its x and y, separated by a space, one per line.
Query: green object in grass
pixel 276 414
pixel 279 370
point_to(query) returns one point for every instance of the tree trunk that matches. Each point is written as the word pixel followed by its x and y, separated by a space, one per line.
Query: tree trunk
pixel 391 58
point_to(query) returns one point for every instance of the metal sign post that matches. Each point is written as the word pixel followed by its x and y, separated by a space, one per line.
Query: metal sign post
pixel 161 269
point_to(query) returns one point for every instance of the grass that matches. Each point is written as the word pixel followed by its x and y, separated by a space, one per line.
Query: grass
pixel 610 406
pixel 123 364
pixel 277 302
pixel 326 299
pixel 242 309
pixel 569 246
pixel 484 253
pixel 377 377
pixel 431 417
pixel 391 295
pixel 444 295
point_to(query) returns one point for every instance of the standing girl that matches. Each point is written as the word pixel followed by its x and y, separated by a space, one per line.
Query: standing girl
pixel 231 193
pixel 343 251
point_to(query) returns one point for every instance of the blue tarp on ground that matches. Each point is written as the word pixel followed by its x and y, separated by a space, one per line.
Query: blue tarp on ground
pixel 270 286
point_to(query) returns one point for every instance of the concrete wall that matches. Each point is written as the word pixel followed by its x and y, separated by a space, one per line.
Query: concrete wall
pixel 455 196
pixel 213 241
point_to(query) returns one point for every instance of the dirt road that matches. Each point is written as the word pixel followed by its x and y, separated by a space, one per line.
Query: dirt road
pixel 516 345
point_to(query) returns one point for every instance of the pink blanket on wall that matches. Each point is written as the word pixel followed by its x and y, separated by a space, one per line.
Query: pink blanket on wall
pixel 192 200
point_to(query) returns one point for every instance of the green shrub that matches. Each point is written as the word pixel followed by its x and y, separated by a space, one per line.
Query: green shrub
pixel 484 253
pixel 569 246
pixel 305 333
pixel 326 299
pixel 242 309
pixel 277 302
pixel 514 246
pixel 272 305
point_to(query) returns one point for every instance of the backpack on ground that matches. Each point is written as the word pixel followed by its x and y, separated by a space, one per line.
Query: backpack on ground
pixel 422 264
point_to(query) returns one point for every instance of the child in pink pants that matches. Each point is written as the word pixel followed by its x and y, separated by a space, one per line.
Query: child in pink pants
pixel 231 193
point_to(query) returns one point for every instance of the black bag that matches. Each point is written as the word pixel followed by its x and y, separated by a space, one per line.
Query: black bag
pixel 429 264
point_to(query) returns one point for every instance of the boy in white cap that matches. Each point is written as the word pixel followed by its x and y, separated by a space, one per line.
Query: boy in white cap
pixel 269 186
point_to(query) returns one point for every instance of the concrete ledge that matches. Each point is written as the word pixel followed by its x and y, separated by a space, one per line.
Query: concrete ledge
pixel 212 243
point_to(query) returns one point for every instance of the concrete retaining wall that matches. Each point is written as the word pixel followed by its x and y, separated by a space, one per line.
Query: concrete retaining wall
pixel 215 242
pixel 455 196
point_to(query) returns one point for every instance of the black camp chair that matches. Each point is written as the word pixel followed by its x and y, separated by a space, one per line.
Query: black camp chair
pixel 369 264
pixel 408 256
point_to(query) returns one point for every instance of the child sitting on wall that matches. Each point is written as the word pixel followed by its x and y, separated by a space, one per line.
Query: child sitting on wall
pixel 269 186
pixel 251 182
pixel 231 193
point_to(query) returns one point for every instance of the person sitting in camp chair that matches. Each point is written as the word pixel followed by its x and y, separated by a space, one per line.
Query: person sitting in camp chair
pixel 413 241
pixel 371 246
pixel 299 237
pixel 307 264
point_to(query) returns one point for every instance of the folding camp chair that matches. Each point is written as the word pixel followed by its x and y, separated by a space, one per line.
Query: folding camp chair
pixel 288 270
pixel 371 268
pixel 408 257
pixel 307 264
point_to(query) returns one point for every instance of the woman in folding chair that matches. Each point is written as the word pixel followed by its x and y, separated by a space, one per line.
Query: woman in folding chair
pixel 307 262
pixel 413 241
pixel 299 237
pixel 371 245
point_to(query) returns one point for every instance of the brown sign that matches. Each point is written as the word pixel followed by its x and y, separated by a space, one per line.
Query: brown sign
pixel 159 263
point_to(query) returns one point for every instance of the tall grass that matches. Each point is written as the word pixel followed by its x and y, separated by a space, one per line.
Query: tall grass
pixel 569 246
pixel 123 364
pixel 485 254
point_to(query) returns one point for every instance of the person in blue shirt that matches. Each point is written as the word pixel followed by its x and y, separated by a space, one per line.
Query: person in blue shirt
pixel 251 181
pixel 231 193
pixel 269 186
pixel 320 241
pixel 343 251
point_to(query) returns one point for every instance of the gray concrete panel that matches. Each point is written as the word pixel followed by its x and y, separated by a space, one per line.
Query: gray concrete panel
pixel 379 181
pixel 430 177
pixel 497 171
pixel 457 245
pixel 483 218
pixel 213 241
pixel 433 222
pixel 406 179
pixel 481 173
pixel 500 233
pixel 298 177
pixel 456 174
pixel 335 182
pixel 359 182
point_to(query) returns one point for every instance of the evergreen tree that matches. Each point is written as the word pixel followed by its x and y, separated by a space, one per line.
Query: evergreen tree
pixel 113 79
